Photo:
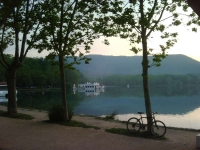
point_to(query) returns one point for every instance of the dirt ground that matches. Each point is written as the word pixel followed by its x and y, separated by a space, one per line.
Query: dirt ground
pixel 16 134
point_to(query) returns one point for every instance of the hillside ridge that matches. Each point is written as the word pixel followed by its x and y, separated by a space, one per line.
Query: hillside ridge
pixel 102 65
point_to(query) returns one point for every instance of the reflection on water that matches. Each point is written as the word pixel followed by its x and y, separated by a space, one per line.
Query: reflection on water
pixel 3 99
pixel 104 104
pixel 93 92
pixel 177 107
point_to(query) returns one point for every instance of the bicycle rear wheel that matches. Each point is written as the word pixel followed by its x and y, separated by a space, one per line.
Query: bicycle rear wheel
pixel 133 125
pixel 158 128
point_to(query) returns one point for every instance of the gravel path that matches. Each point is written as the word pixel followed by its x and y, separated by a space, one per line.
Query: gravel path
pixel 35 134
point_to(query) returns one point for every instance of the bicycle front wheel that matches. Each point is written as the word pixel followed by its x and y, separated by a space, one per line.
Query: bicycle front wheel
pixel 133 125
pixel 158 128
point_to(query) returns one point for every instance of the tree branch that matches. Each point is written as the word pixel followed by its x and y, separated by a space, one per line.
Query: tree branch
pixel 70 24
pixel 69 8
pixel 33 40
pixel 152 29
pixel 24 31
pixel 152 11
pixel 3 61
pixel 16 20
pixel 137 30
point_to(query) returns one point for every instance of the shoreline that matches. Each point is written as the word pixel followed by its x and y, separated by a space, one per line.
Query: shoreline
pixel 34 134
pixel 2 107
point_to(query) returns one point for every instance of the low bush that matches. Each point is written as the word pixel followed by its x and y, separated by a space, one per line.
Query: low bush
pixel 70 113
pixel 111 116
pixel 56 113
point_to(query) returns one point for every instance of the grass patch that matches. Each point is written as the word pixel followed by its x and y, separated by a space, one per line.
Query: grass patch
pixel 139 134
pixel 109 117
pixel 73 123
pixel 17 116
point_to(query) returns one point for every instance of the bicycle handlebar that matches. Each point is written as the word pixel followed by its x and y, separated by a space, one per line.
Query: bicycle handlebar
pixel 153 113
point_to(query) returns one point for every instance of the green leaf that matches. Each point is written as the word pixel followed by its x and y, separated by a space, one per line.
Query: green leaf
pixel 194 29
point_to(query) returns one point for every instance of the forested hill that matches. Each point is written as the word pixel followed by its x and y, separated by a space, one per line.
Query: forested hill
pixel 125 65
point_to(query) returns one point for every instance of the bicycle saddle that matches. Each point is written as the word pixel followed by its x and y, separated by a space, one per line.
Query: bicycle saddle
pixel 140 112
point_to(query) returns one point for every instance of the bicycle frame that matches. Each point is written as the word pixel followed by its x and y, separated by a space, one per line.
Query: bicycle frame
pixel 134 125
pixel 141 119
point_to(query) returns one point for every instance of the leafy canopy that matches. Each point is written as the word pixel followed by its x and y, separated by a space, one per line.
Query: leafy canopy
pixel 149 19
pixel 70 27
pixel 19 30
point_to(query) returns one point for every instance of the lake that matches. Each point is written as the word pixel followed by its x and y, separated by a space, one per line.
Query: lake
pixel 177 106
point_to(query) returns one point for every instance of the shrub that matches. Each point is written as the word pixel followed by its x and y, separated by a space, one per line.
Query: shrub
pixel 70 113
pixel 56 113
pixel 111 116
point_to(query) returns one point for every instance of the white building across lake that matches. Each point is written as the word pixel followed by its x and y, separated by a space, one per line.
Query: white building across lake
pixel 89 88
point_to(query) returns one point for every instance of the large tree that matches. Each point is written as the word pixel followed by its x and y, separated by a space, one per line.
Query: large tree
pixel 6 7
pixel 18 33
pixel 143 21
pixel 195 5
pixel 69 28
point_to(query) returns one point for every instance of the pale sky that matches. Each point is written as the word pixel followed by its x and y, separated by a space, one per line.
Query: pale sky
pixel 188 43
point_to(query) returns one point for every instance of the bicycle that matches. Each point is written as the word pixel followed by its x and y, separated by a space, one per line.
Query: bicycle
pixel 134 125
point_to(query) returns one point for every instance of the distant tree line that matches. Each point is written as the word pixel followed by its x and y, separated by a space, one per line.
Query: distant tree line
pixel 155 80
pixel 40 73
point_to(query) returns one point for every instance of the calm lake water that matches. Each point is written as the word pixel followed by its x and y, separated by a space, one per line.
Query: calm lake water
pixel 177 107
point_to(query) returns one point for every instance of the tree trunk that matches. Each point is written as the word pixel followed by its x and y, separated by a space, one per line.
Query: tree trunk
pixel 195 5
pixel 11 83
pixel 63 88
pixel 145 85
